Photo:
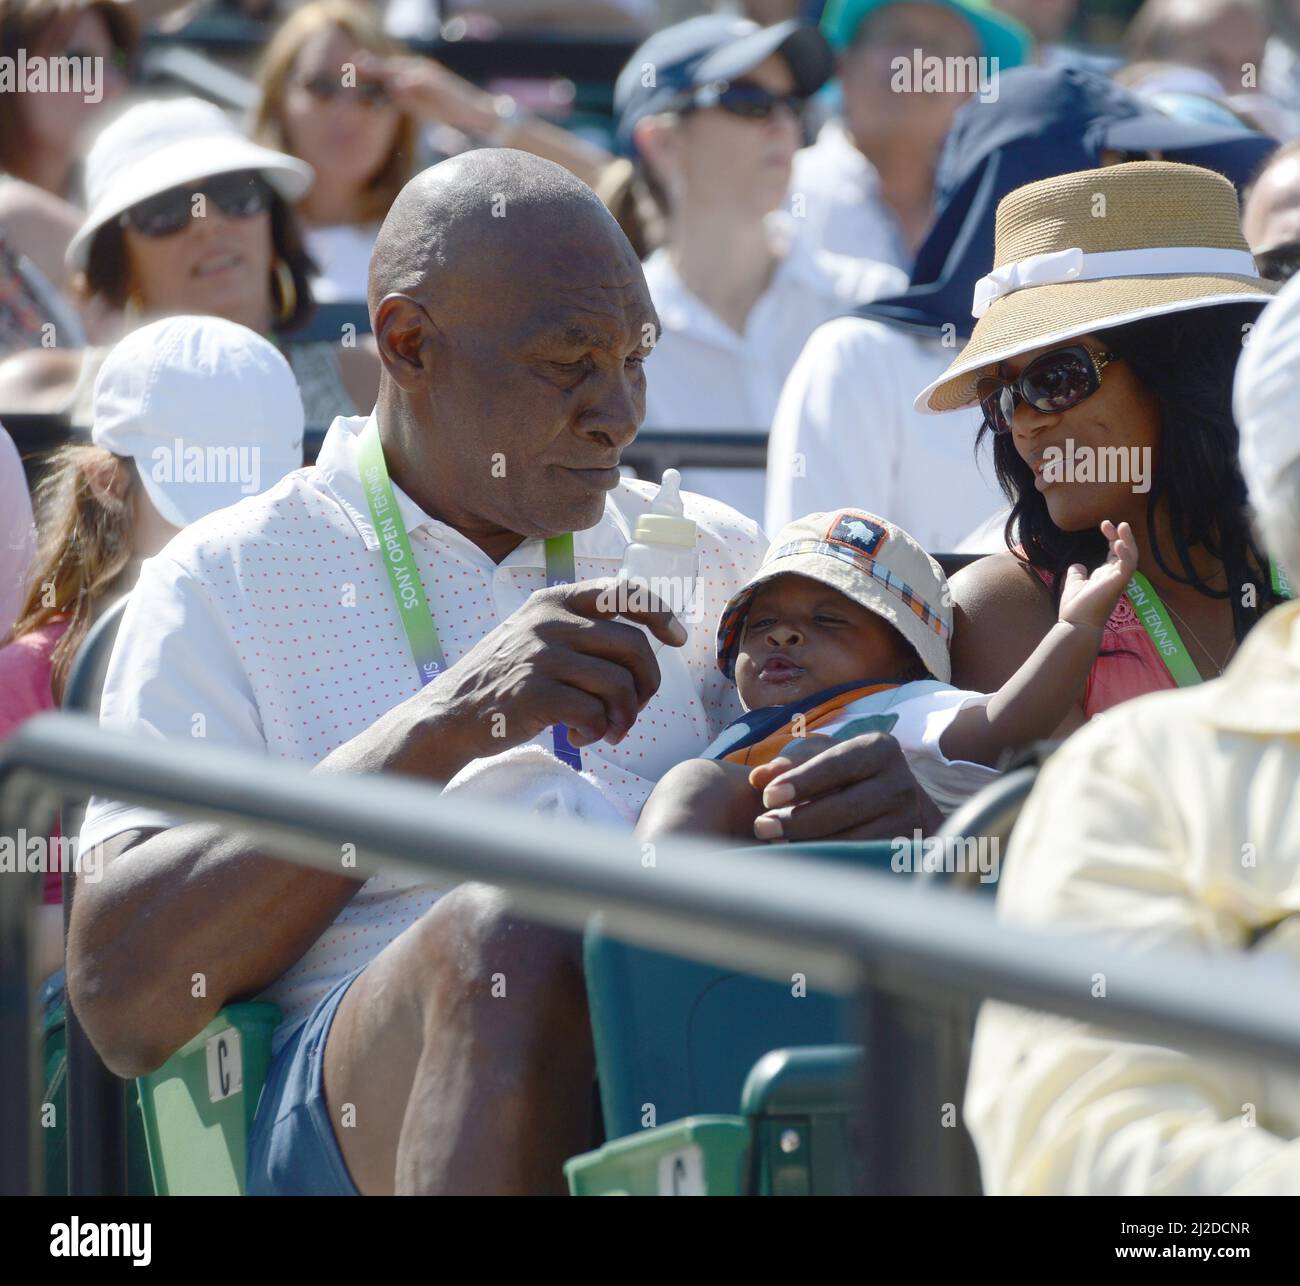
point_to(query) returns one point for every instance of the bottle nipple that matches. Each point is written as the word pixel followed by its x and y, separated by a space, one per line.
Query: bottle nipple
pixel 669 500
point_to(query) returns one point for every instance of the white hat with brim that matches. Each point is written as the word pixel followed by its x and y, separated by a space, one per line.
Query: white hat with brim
pixel 869 560
pixel 1098 249
pixel 163 144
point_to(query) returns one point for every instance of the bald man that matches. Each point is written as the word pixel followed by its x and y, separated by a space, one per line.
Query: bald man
pixel 430 1043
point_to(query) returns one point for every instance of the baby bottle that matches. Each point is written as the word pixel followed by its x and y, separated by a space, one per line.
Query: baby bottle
pixel 662 560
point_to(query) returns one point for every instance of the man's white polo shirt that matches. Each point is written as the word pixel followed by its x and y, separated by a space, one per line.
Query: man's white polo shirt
pixel 270 626
pixel 702 375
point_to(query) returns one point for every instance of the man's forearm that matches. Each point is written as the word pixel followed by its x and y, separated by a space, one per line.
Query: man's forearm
pixel 179 924
pixel 187 919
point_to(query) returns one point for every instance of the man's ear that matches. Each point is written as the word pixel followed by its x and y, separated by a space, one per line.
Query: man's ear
pixel 404 332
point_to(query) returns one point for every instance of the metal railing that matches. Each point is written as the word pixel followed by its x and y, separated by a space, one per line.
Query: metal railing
pixel 895 942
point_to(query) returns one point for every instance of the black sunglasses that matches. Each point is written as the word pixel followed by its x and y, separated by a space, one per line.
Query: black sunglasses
pixel 325 88
pixel 741 98
pixel 1055 381
pixel 239 196
pixel 1280 263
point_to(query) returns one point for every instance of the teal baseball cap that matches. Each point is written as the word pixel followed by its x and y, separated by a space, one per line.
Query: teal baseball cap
pixel 1000 35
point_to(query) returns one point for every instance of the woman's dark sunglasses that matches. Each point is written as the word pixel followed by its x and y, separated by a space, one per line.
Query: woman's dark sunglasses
pixel 752 102
pixel 1054 382
pixel 325 89
pixel 238 196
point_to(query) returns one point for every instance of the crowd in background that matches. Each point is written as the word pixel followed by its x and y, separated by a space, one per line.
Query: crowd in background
pixel 833 260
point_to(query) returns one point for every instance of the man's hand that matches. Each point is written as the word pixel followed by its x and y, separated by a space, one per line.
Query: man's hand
pixel 561 658
pixel 860 788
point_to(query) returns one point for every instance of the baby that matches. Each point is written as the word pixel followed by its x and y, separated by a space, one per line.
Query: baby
pixel 844 630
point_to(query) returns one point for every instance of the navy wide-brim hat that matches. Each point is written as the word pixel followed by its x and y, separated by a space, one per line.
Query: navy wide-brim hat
pixel 712 47
pixel 1044 122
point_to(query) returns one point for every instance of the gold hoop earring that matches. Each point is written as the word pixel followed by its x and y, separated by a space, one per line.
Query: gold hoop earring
pixel 284 289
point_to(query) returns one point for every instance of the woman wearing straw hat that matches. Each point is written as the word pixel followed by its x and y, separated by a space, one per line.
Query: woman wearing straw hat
pixel 1107 336
pixel 187 216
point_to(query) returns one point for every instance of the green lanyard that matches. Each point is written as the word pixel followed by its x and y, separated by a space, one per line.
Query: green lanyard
pixel 1155 619
pixel 404 577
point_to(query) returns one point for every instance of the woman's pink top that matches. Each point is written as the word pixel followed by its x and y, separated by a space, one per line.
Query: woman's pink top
pixel 1134 666
pixel 25 667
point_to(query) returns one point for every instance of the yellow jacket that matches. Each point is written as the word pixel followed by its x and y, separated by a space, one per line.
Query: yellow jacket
pixel 1172 820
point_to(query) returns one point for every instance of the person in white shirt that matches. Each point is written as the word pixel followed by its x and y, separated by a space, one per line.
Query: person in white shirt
pixel 336 91
pixel 866 185
pixel 736 295
pixel 513 378
pixel 846 432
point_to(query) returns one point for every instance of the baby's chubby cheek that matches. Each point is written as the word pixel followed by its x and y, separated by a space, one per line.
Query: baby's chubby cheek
pixel 747 684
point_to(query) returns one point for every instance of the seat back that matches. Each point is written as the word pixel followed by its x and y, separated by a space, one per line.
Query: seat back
pixel 805 1112
pixel 199 1105
pixel 677 1038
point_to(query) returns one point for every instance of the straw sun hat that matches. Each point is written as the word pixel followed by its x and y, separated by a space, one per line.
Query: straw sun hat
pixel 1100 248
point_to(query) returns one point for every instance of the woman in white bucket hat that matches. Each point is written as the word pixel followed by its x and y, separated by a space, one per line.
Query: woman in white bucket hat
pixel 186 215
pixel 1109 329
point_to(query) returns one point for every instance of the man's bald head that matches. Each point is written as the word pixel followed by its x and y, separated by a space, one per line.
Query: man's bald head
pixel 513 320
pixel 481 211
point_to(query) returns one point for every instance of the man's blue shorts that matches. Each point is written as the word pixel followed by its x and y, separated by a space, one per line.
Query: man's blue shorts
pixel 292 1150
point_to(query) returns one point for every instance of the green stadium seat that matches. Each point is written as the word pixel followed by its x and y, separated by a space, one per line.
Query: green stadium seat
pixel 679 1044
pixel 198 1106
pixel 797 1135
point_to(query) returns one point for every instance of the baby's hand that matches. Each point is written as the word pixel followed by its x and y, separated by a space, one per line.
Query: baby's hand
pixel 1089 600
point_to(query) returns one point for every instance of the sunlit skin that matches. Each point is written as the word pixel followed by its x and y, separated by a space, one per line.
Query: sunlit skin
pixel 878 115
pixel 538 341
pixel 735 167
pixel 214 265
pixel 1121 413
pixel 802 637
pixel 1002 609
pixel 1223 40
pixel 1271 216
pixel 57 123
pixel 723 175
pixel 344 138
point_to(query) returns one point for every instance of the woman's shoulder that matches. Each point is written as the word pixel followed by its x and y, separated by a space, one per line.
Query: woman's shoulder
pixel 999 581
pixel 1001 611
